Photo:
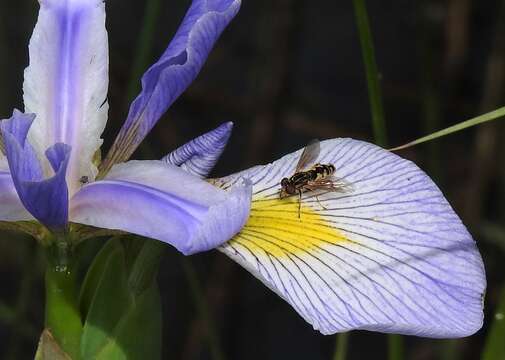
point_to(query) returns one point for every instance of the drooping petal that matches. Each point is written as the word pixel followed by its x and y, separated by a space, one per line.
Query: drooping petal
pixel 161 201
pixel 171 75
pixel 66 82
pixel 386 253
pixel 199 156
pixel 11 208
pixel 45 199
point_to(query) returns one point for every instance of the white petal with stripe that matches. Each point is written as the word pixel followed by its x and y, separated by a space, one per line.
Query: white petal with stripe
pixel 388 254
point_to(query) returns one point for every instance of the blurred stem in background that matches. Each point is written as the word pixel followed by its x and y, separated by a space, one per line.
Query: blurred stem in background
pixel 341 349
pixel 494 348
pixel 372 73
pixel 16 316
pixel 144 47
pixel 3 62
pixel 395 342
pixel 431 103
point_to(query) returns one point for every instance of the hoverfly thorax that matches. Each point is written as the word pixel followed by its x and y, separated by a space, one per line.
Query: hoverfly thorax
pixel 311 176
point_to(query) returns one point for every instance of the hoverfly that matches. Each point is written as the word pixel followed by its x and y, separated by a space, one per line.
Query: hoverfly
pixel 311 176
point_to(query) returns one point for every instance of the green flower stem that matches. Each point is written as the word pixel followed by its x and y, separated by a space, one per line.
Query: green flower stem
pixel 63 318
pixel 372 74
pixel 341 348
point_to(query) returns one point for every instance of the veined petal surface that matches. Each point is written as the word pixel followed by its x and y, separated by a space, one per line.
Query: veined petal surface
pixel 66 82
pixel 45 199
pixel 386 254
pixel 161 201
pixel 199 156
pixel 173 73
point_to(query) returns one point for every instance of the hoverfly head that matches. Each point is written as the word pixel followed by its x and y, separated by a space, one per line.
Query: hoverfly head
pixel 288 186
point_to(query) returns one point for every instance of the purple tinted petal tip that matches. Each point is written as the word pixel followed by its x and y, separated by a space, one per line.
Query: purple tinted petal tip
pixel 17 126
pixel 57 155
pixel 179 65
pixel 45 199
pixel 199 156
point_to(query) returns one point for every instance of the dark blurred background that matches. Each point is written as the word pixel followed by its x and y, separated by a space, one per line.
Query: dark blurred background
pixel 287 71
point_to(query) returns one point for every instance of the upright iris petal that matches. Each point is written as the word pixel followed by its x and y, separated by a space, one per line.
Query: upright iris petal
pixel 173 73
pixel 66 82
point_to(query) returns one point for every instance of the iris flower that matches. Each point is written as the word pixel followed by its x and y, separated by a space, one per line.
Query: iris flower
pixel 389 255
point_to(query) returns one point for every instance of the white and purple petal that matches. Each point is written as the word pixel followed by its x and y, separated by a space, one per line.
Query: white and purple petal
pixel 173 73
pixel 11 208
pixel 387 253
pixel 161 201
pixel 45 199
pixel 66 82
pixel 199 156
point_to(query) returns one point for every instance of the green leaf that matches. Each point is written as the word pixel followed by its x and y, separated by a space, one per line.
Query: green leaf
pixel 109 301
pixel 495 344
pixel 138 333
pixel 496 114
pixel 122 321
pixel 95 273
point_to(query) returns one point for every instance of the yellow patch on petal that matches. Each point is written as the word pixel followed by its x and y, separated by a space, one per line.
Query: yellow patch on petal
pixel 274 227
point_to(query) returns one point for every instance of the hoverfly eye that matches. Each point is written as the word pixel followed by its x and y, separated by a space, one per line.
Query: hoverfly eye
pixel 284 182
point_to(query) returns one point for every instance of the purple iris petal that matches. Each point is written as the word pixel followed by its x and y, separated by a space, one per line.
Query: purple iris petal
pixel 174 71
pixel 45 199
pixel 11 208
pixel 161 201
pixel 67 80
pixel 383 250
pixel 199 156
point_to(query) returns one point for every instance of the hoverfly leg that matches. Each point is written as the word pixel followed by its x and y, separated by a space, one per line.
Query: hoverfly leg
pixel 299 203
pixel 320 204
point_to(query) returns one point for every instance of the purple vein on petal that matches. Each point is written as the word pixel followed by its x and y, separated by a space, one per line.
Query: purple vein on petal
pixel 398 255
pixel 173 73
pixel 199 156
pixel 161 201
pixel 67 80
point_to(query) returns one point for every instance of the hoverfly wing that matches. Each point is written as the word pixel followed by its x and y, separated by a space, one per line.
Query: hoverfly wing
pixel 331 184
pixel 309 155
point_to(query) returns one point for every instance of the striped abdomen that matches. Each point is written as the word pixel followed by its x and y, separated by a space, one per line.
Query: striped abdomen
pixel 320 171
pixel 299 180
